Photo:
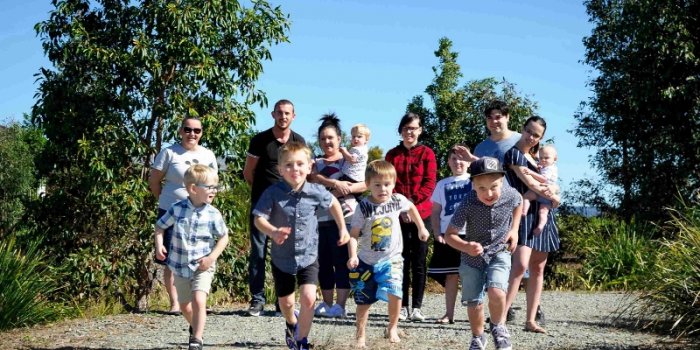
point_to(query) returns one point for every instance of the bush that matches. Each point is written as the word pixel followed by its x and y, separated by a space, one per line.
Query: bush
pixel 603 253
pixel 671 295
pixel 26 282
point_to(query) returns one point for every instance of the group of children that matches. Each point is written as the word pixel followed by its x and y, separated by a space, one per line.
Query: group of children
pixel 477 215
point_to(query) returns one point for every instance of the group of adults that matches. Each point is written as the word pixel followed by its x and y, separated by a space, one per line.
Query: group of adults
pixel 416 169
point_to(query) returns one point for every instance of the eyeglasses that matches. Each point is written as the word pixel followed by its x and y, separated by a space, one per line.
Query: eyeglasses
pixel 410 128
pixel 209 187
pixel 188 130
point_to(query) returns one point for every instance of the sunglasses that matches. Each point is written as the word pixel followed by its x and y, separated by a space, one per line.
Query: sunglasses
pixel 189 130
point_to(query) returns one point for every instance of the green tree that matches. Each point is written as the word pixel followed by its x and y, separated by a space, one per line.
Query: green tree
pixel 126 73
pixel 457 112
pixel 374 153
pixel 19 145
pixel 644 116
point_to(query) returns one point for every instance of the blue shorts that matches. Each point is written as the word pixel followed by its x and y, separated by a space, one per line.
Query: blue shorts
pixel 370 283
pixel 475 281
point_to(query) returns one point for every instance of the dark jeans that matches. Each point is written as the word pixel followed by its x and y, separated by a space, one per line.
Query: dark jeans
pixel 414 265
pixel 332 259
pixel 256 262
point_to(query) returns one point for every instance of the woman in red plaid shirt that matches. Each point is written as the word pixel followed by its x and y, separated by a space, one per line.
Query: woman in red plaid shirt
pixel 416 172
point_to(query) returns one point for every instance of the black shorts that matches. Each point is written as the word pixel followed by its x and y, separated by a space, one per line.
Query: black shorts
pixel 167 238
pixel 284 282
pixel 445 261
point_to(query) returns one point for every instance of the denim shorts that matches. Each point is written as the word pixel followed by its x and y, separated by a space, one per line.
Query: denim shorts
pixel 475 281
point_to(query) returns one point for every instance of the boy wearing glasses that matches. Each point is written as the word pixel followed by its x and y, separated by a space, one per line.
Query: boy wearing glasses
pixel 199 236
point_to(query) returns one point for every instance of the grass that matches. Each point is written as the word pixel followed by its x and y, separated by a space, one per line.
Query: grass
pixel 26 281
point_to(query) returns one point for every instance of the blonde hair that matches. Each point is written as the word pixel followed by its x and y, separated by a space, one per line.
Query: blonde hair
pixel 200 173
pixel 361 129
pixel 379 168
pixel 294 146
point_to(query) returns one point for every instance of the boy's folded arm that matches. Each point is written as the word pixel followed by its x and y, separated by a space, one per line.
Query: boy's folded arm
pixel 221 244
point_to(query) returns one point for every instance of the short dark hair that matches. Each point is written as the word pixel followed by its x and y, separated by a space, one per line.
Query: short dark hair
pixel 283 102
pixel 407 118
pixel 496 105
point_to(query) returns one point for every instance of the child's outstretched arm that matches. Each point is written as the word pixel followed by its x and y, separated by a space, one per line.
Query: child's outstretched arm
pixel 535 175
pixel 336 212
pixel 512 236
pixel 352 158
pixel 353 261
pixel 160 249
pixel 206 262
pixel 278 234
pixel 413 213
pixel 452 238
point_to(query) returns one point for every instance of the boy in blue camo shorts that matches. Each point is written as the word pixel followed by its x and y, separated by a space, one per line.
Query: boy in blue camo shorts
pixel 490 215
pixel 376 271
pixel 199 237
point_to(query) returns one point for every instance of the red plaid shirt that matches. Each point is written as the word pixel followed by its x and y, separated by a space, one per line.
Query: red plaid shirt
pixel 416 173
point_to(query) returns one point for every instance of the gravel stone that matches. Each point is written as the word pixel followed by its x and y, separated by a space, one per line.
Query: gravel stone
pixel 575 320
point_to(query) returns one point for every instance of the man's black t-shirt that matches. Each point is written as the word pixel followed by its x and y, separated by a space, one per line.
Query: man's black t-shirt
pixel 265 146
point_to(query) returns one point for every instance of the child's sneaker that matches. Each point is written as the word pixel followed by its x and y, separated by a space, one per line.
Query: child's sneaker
pixel 510 315
pixel 337 311
pixel 290 333
pixel 501 337
pixel 478 342
pixel 195 344
pixel 322 310
pixel 417 315
pixel 303 344
pixel 403 313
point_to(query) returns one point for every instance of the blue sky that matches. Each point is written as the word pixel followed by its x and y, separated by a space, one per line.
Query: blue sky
pixel 365 60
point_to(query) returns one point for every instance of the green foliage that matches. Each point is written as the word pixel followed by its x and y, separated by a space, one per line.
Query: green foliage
pixel 457 112
pixel 644 116
pixel 374 153
pixel 19 145
pixel 26 282
pixel 232 265
pixel 126 74
pixel 671 296
pixel 603 254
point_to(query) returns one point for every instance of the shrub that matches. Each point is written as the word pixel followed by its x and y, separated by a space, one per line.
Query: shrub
pixel 671 297
pixel 602 253
pixel 26 281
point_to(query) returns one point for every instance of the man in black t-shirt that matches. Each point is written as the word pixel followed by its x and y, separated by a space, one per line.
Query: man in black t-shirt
pixel 260 172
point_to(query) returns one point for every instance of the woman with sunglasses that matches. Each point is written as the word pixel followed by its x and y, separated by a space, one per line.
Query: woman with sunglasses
pixel 166 183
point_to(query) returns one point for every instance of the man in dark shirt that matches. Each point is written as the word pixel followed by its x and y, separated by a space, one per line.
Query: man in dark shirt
pixel 260 171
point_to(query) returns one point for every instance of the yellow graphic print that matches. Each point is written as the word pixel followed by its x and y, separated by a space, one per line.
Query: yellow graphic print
pixel 381 234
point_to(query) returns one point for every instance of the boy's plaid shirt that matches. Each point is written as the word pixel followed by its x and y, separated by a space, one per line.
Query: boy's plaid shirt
pixel 194 234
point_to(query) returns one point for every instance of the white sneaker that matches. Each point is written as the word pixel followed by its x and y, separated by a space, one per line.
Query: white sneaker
pixel 403 313
pixel 322 310
pixel 337 311
pixel 416 315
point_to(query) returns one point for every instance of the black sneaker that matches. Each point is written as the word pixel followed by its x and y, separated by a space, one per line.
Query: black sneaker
pixel 195 344
pixel 256 308
pixel 539 316
pixel 510 315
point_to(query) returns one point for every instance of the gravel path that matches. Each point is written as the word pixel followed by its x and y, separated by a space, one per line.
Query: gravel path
pixel 575 320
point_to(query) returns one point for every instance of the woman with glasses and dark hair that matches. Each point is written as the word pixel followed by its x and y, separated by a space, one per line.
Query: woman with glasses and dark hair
pixel 416 173
pixel 166 182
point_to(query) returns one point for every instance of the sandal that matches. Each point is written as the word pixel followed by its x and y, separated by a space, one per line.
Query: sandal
pixel 444 320
pixel 534 328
